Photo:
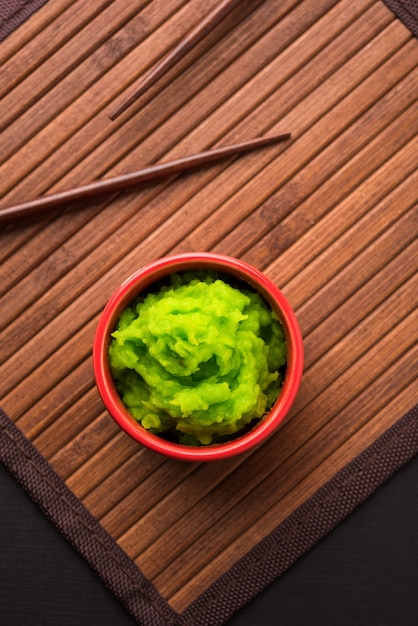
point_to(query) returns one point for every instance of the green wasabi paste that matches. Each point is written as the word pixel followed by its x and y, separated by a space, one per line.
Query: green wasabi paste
pixel 200 358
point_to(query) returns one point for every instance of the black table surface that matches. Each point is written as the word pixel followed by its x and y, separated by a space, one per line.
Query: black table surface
pixel 365 572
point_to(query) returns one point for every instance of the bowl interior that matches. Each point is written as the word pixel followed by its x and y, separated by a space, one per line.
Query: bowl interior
pixel 142 281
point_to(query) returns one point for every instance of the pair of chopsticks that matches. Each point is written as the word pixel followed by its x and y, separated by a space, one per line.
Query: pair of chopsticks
pixel 39 206
pixel 187 43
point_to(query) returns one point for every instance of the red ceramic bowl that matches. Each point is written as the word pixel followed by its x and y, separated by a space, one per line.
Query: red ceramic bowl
pixel 143 279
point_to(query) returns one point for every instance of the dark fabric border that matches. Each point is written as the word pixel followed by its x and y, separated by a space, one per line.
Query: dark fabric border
pixel 406 11
pixel 14 12
pixel 250 575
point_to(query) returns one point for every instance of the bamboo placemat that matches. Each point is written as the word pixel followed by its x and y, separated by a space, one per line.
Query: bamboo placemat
pixel 331 218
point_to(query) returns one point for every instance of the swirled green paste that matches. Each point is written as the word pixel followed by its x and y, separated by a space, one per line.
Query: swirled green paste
pixel 200 358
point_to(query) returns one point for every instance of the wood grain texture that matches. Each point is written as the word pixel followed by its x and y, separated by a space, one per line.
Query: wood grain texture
pixel 331 218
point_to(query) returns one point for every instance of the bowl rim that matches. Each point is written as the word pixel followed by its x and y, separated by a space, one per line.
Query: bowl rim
pixel 144 278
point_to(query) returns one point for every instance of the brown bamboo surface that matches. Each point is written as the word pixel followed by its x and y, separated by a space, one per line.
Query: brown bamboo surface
pixel 330 217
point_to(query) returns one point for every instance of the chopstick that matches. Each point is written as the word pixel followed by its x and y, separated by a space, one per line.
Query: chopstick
pixel 186 44
pixel 60 200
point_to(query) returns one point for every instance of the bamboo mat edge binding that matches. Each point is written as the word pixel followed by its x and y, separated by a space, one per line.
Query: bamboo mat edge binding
pixel 15 13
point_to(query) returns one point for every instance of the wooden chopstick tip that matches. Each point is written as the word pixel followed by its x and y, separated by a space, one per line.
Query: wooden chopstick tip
pixel 191 39
pixel 113 115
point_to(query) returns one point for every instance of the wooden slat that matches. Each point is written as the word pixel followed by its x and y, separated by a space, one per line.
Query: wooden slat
pixel 331 218
pixel 104 464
